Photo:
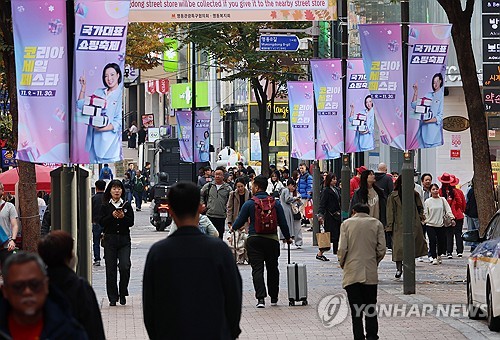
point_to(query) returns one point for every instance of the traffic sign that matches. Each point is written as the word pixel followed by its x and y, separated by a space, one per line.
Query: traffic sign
pixel 274 43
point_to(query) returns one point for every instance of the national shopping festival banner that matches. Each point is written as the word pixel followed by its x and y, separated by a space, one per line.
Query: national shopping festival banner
pixel 327 79
pixel 383 62
pixel 360 113
pixel 202 136
pixel 427 53
pixel 100 42
pixel 40 46
pixel 185 133
pixel 301 103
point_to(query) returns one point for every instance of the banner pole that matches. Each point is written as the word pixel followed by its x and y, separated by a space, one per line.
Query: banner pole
pixel 193 107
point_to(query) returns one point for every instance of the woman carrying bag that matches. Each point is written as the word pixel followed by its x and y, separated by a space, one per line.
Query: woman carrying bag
pixel 234 203
pixel 329 214
pixel 290 201
pixel 274 186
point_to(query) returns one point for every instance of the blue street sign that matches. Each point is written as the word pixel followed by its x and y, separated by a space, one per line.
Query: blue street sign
pixel 284 43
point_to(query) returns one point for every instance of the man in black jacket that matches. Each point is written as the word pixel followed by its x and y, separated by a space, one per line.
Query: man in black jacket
pixel 191 286
pixel 384 180
pixel 100 185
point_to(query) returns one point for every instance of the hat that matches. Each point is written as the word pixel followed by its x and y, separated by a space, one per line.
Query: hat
pixel 445 178
pixel 361 169
pixel 454 180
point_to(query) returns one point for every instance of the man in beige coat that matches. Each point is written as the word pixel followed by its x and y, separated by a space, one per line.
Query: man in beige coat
pixel 361 248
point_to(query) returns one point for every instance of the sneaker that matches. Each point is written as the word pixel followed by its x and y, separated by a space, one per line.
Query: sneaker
pixel 298 247
pixel 294 246
pixel 137 209
pixel 322 258
pixel 450 256
pixel 435 262
pixel 283 245
pixel 420 259
pixel 398 274
pixel 430 259
pixel 97 263
pixel 389 250
pixel 274 302
pixel 459 255
pixel 261 303
pixel 439 260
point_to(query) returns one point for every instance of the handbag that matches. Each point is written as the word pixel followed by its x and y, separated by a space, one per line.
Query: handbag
pixel 323 240
pixel 447 220
pixel 308 210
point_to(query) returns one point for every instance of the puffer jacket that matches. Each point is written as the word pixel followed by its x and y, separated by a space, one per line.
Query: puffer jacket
pixel 305 185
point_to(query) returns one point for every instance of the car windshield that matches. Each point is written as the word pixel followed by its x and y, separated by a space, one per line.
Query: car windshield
pixel 493 228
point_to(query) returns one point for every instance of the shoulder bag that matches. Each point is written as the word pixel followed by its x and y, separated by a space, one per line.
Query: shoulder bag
pixel 447 220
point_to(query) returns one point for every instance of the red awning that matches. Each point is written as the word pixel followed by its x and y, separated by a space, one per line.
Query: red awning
pixel 10 178
pixel 158 86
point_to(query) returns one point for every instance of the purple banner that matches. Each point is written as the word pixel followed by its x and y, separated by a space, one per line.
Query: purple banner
pixel 360 113
pixel 301 102
pixel 185 128
pixel 327 79
pixel 383 62
pixel 202 136
pixel 41 77
pixel 426 71
pixel 100 41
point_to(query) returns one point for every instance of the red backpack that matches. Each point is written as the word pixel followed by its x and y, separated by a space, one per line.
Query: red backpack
pixel 266 219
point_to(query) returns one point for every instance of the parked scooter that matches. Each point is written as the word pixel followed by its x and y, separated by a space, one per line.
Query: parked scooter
pixel 160 218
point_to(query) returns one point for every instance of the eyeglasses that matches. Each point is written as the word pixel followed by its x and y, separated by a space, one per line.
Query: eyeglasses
pixel 19 287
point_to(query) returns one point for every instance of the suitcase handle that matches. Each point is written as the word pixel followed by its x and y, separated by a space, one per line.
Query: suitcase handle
pixel 288 253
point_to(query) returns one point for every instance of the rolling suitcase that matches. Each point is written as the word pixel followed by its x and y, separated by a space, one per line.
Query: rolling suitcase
pixel 297 282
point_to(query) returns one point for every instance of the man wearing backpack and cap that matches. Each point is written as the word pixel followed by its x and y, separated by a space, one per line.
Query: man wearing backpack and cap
pixel 263 246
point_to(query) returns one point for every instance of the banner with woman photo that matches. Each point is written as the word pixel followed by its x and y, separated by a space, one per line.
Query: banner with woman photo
pixel 100 42
pixel 40 46
pixel 427 55
pixel 383 62
pixel 301 103
pixel 360 113
pixel 327 79
pixel 185 134
pixel 202 136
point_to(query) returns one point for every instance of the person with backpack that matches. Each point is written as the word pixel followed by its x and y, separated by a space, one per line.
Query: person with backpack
pixel 106 174
pixel 263 247
pixel 138 185
pixel 304 187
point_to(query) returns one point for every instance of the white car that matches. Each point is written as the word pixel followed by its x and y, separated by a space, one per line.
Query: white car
pixel 483 274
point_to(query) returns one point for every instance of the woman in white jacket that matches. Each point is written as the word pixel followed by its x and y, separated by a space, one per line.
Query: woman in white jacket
pixel 274 186
pixel 435 209
pixel 205 225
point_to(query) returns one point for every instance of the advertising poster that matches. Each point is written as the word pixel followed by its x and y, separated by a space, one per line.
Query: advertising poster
pixel 426 72
pixel 360 112
pixel 41 78
pixel 301 102
pixel 383 62
pixel 327 80
pixel 148 120
pixel 8 158
pixel 202 136
pixel 255 150
pixel 100 42
pixel 184 133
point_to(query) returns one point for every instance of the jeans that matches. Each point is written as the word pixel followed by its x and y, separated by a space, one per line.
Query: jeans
pixel 358 295
pixel 96 241
pixel 129 196
pixel 262 250
pixel 138 199
pixel 457 232
pixel 437 237
pixel 219 224
pixel 117 250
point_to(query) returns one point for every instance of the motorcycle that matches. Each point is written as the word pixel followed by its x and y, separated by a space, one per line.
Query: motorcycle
pixel 161 218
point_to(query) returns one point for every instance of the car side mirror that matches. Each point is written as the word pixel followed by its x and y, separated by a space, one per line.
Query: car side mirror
pixel 471 236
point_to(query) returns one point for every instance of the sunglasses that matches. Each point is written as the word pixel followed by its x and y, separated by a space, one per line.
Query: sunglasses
pixel 19 287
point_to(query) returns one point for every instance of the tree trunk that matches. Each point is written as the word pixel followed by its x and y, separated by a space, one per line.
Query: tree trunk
pixel 28 206
pixel 262 100
pixel 483 183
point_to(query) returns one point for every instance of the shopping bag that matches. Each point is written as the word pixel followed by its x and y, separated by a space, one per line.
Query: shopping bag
pixel 308 210
pixel 323 240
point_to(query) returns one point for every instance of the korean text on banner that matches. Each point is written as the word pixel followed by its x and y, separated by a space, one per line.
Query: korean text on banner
pixel 383 61
pixel 301 102
pixel 202 136
pixel 327 80
pixel 40 45
pixel 426 71
pixel 360 113
pixel 100 41
pixel 185 133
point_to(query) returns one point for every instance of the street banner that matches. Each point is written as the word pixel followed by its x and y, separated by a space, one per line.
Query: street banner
pixel 99 62
pixel 383 62
pixel 327 80
pixel 427 53
pixel 255 149
pixel 202 136
pixel 360 112
pixel 184 133
pixel 301 102
pixel 40 46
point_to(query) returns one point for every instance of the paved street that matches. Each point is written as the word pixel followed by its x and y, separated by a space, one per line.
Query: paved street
pixel 436 284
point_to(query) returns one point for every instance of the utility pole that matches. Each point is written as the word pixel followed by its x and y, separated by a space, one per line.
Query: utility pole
pixel 408 199
pixel 316 173
pixel 193 106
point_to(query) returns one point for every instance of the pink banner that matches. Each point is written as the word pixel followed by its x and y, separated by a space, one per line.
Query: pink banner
pixel 202 136
pixel 360 113
pixel 426 71
pixel 327 79
pixel 301 102
pixel 40 45
pixel 185 135
pixel 383 62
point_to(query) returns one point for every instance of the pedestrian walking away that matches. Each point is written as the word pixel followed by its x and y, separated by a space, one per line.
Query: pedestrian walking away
pixel 456 200
pixel 304 187
pixel 215 196
pixel 329 213
pixel 100 186
pixel 471 213
pixel 138 187
pixel 117 216
pixel 106 173
pixel 362 247
pixel 291 201
pixel 192 288
pixel 265 214
pixel 9 226
pixel 127 184
pixel 56 250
